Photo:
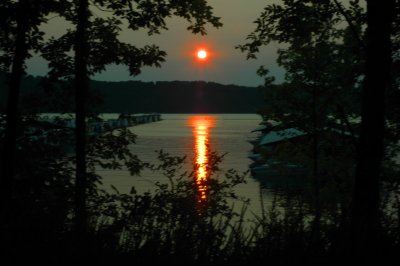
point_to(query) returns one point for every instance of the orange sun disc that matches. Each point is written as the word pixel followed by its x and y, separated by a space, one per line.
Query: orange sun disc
pixel 202 54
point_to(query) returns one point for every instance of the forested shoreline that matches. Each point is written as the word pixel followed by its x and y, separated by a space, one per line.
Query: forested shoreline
pixel 139 96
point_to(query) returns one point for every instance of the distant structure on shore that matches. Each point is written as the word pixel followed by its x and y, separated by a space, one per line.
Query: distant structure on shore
pixel 124 120
pixel 97 125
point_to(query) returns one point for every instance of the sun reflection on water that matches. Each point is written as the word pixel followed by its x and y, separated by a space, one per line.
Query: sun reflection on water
pixel 201 126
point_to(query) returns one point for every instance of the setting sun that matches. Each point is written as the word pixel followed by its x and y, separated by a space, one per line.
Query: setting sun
pixel 202 54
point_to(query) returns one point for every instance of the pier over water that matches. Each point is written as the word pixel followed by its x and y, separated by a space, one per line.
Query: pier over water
pixel 98 125
pixel 124 120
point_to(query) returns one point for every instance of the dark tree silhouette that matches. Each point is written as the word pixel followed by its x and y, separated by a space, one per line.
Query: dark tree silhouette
pixel 81 90
pixel 365 220
pixel 17 62
pixel 356 64
pixel 95 43
pixel 322 61
pixel 20 34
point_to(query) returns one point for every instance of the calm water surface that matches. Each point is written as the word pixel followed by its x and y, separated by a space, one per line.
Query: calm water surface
pixel 193 135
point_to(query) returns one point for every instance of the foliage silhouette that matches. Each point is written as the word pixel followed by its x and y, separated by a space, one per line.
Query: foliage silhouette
pixel 166 224
pixel 335 79
pixel 95 44
pixel 20 36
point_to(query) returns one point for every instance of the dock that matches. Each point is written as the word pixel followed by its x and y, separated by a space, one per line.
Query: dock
pixel 123 121
pixel 97 125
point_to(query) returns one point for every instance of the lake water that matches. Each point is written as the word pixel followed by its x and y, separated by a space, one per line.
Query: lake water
pixel 193 135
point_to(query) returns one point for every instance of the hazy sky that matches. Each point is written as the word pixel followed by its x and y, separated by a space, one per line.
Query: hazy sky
pixel 226 64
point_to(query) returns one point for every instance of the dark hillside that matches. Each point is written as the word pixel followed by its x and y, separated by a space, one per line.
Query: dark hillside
pixel 162 96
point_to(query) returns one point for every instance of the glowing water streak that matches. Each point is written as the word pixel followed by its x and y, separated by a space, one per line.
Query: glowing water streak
pixel 201 125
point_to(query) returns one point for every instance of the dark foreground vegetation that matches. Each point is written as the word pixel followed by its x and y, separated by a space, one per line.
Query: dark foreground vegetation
pixel 342 77
pixel 171 224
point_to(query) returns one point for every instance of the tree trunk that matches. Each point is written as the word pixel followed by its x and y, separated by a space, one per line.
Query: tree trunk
pixel 365 219
pixel 81 87
pixel 10 138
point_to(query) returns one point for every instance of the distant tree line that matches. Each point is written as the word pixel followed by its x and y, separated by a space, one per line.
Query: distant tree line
pixel 138 96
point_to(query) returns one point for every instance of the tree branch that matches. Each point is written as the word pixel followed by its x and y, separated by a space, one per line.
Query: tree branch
pixel 351 25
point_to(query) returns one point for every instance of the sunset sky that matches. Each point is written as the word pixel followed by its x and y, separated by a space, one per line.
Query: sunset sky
pixel 224 64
